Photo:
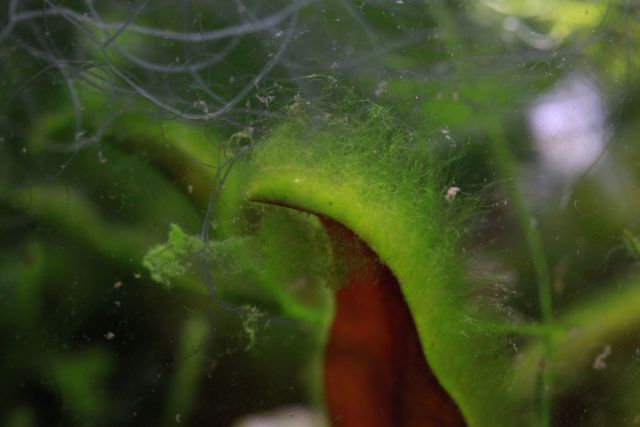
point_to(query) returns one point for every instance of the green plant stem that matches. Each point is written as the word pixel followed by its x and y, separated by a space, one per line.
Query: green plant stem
pixel 190 359
pixel 505 163
pixel 582 332
pixel 633 242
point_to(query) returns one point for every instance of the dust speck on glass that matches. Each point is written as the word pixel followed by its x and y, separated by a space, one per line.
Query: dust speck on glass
pixel 320 213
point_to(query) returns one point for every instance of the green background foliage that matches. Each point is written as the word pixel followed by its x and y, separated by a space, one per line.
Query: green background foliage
pixel 115 143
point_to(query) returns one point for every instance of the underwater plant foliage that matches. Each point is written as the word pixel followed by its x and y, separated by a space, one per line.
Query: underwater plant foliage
pixel 201 204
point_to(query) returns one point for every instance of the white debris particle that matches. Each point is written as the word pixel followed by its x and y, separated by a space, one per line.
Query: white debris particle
pixel 178 418
pixel 190 189
pixel 117 285
pixel 266 100
pixel 110 335
pixel 202 105
pixel 451 193
pixel 447 134
pixel 599 363
pixel 381 88
pixel 284 417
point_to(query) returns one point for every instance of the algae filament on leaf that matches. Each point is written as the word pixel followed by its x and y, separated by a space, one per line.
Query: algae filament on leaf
pixel 175 259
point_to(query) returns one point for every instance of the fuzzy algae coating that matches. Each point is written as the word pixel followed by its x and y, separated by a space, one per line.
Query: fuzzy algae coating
pixel 359 170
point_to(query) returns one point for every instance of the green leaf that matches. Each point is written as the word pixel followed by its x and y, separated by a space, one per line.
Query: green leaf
pixel 383 185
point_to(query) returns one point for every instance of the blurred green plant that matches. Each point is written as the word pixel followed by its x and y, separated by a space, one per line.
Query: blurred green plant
pixel 109 133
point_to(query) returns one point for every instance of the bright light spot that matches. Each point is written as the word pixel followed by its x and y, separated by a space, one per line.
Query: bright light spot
pixel 568 126
pixel 511 23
